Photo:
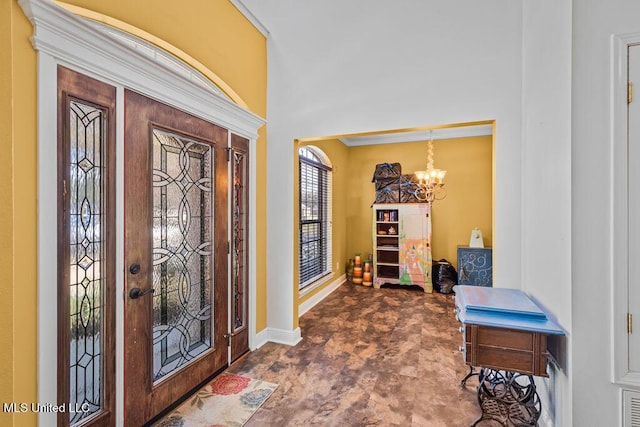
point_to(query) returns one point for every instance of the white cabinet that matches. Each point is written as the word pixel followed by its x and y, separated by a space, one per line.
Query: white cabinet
pixel 402 245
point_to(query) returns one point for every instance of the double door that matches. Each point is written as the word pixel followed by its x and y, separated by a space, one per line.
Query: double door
pixel 185 236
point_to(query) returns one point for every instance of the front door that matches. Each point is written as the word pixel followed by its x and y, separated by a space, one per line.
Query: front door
pixel 176 255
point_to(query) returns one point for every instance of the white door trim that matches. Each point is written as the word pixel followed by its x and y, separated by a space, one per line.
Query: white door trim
pixel 620 372
pixel 62 38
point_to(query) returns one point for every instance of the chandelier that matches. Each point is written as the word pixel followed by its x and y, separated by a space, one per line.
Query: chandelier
pixel 431 181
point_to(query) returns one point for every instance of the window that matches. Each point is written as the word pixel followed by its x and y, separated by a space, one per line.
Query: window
pixel 315 216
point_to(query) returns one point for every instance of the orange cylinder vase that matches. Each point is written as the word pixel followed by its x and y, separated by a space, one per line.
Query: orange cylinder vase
pixel 357 275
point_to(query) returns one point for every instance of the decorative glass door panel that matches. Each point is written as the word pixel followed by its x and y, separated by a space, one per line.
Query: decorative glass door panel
pixel 86 253
pixel 86 256
pixel 176 237
pixel 182 251
pixel 238 279
pixel 239 246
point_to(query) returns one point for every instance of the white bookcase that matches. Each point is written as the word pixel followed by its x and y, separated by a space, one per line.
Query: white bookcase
pixel 402 245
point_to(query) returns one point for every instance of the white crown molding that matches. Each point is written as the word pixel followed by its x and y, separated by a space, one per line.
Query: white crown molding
pixel 239 4
pixel 423 135
pixel 160 56
pixel 75 42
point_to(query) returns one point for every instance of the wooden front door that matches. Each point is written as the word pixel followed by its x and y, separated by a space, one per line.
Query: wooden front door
pixel 176 255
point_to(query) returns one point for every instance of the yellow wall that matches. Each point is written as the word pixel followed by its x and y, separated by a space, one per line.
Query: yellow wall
pixel 338 154
pixel 6 213
pixel 215 34
pixel 468 162
pixel 18 217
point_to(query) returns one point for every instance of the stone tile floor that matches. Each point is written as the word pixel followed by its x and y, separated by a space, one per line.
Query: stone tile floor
pixel 383 357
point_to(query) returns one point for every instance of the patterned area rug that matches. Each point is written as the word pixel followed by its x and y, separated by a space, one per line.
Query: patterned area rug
pixel 228 400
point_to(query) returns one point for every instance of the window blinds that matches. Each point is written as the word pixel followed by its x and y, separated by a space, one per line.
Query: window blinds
pixel 315 221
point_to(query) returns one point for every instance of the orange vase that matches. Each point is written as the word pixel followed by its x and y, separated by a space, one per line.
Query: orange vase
pixel 357 275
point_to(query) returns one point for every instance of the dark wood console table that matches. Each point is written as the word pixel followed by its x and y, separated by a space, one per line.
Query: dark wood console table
pixel 504 333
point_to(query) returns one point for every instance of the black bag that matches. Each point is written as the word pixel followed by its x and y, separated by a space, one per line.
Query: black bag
pixel 444 276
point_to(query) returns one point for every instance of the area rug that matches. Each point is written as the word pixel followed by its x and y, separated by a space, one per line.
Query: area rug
pixel 228 400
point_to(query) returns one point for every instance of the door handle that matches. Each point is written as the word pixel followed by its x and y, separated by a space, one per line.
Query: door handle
pixel 136 293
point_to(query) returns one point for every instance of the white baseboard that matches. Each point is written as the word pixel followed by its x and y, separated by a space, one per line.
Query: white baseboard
pixel 280 336
pixel 293 337
pixel 260 339
pixel 288 337
pixel 315 299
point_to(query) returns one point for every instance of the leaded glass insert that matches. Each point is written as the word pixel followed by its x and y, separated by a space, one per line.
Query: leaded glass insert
pixel 182 251
pixel 239 273
pixel 86 193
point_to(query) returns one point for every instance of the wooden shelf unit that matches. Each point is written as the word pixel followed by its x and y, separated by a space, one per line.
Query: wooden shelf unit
pixel 401 239
pixel 386 262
